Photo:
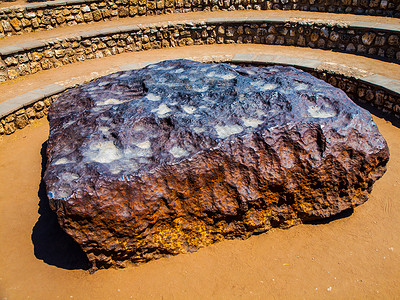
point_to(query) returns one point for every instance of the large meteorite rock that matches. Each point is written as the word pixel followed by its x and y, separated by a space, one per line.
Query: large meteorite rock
pixel 181 154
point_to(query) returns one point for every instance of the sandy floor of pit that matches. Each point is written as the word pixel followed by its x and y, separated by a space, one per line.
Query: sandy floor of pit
pixel 349 258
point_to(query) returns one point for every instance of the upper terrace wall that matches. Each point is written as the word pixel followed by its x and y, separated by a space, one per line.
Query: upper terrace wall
pixel 47 15
pixel 376 40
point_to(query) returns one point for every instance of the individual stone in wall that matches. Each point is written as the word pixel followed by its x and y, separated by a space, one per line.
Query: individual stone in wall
pixel 180 154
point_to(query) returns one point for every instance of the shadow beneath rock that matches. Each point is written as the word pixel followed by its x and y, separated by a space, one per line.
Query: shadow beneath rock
pixel 51 243
pixel 344 214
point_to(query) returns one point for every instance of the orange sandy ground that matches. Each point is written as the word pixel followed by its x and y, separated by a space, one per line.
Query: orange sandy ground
pixel 351 258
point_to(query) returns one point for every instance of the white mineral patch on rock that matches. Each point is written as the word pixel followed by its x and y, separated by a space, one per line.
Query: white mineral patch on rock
pixel 228 130
pixel 179 70
pixel 269 86
pixel 67 124
pixel 301 86
pixel 153 97
pixel 285 91
pixel 317 112
pixel 104 130
pixel 228 76
pixel 166 68
pixel 201 89
pixel 249 122
pixel 144 145
pixel 162 110
pixel 178 152
pixel 103 83
pixel 110 101
pixel 198 130
pixel 138 128
pixel 137 152
pixel 65 193
pixel 62 161
pixel 257 83
pixel 211 74
pixel 68 176
pixel 189 109
pixel 117 168
pixel 102 152
pixel 260 113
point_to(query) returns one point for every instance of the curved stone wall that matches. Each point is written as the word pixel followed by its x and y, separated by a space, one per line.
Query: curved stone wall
pixel 377 40
pixel 47 15
pixel 21 118
pixel 378 91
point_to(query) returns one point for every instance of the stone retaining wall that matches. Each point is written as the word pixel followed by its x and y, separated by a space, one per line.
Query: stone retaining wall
pixel 47 15
pixel 362 93
pixel 374 90
pixel 21 118
pixel 361 38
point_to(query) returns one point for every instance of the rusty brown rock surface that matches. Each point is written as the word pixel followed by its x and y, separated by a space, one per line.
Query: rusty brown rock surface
pixel 181 154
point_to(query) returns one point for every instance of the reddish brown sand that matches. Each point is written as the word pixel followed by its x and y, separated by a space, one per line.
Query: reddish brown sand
pixel 354 257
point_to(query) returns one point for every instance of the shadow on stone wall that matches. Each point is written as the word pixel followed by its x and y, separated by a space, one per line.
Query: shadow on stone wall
pixel 379 113
pixel 51 243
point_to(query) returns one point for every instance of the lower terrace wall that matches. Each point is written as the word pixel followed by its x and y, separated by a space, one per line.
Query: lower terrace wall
pixel 21 118
pixel 48 15
pixel 31 58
